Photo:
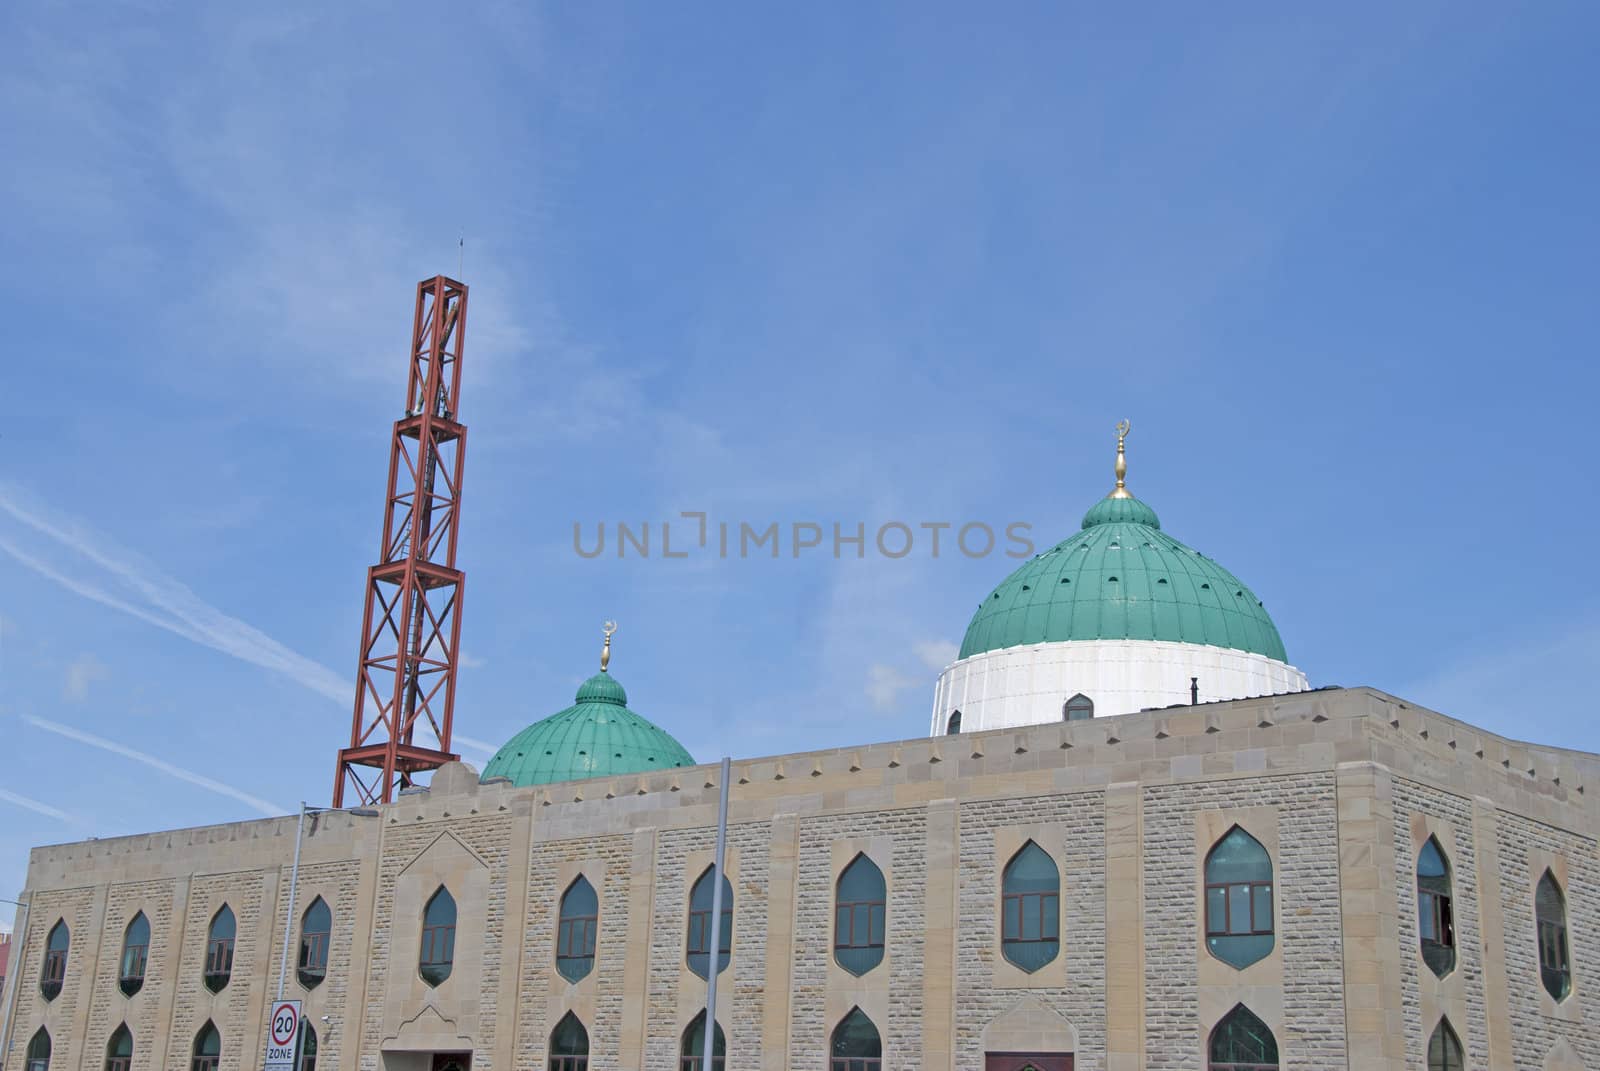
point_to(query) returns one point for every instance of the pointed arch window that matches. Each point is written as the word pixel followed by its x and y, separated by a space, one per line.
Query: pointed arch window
pixel 1239 927
pixel 694 1045
pixel 578 929
pixel 569 1045
pixel 38 1052
pixel 135 955
pixel 1242 1042
pixel 856 1045
pixel 1550 912
pixel 953 725
pixel 55 961
pixel 219 949
pixel 860 907
pixel 438 954
pixel 700 904
pixel 1079 708
pixel 119 1050
pixel 308 1047
pixel 316 928
pixel 1436 924
pixel 1030 908
pixel 207 1049
pixel 1444 1049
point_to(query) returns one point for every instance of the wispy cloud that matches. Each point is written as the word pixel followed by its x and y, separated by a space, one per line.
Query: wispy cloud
pixel 136 587
pixel 884 685
pixel 82 672
pixel 474 744
pixel 936 654
pixel 35 806
pixel 266 807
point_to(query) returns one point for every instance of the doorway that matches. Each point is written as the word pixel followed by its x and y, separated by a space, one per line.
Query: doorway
pixel 1027 1061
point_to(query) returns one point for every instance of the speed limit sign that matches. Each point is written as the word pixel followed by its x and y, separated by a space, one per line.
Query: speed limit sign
pixel 283 1031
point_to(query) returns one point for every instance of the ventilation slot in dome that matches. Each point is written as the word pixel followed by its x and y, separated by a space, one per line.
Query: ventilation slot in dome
pixel 1111 580
pixel 1026 587
pixel 1066 580
pixel 1205 587
pixel 1163 580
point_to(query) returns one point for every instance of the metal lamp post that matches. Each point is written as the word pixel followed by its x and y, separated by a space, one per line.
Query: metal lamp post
pixel 294 877
pixel 709 1035
pixel 19 941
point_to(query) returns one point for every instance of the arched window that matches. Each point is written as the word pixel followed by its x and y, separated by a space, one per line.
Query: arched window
pixel 953 725
pixel 207 1049
pixel 1238 899
pixel 1435 918
pixel 694 1046
pixel 700 925
pixel 575 936
pixel 1241 1042
pixel 1077 708
pixel 1444 1049
pixel 860 902
pixel 55 961
pixel 135 955
pixel 39 1052
pixel 119 1050
pixel 1030 908
pixel 1550 911
pixel 219 950
pixel 438 953
pixel 308 1046
pixel 316 926
pixel 856 1045
pixel 569 1045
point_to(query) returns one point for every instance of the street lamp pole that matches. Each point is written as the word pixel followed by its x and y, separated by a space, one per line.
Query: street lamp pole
pixel 14 972
pixel 294 879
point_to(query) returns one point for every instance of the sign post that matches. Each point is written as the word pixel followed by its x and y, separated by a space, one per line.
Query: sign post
pixel 283 1035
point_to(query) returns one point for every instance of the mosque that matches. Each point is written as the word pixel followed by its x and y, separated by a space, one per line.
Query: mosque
pixel 1135 838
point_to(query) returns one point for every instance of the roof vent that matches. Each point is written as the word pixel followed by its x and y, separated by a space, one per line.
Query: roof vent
pixel 1111 580
pixel 1163 580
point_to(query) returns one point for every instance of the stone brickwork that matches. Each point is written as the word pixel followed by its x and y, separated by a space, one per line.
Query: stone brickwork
pixel 230 1010
pixel 601 992
pixel 339 885
pixel 669 971
pixel 1306 873
pixel 1412 799
pixel 141 1012
pixel 1534 1030
pixel 905 932
pixel 75 907
pixel 1081 818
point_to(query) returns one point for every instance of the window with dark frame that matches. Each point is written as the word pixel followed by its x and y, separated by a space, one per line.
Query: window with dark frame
pixel 308 1047
pixel 119 1050
pixel 1079 708
pixel 855 1045
pixel 569 1045
pixel 219 949
pixel 135 955
pixel 1030 908
pixel 54 972
pixel 316 928
pixel 860 916
pixel 1238 899
pixel 207 1049
pixel 1550 914
pixel 1444 1049
pixel 437 955
pixel 1436 925
pixel 694 1040
pixel 953 725
pixel 38 1058
pixel 1242 1042
pixel 699 939
pixel 577 930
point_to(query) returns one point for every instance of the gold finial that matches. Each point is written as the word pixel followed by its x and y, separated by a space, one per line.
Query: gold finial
pixel 605 652
pixel 1122 463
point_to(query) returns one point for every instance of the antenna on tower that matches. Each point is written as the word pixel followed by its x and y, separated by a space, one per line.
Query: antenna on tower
pixel 411 626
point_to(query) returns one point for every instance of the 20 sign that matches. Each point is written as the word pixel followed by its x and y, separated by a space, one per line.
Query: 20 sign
pixel 283 1031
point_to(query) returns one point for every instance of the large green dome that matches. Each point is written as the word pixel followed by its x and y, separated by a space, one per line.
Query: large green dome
pixel 1122 578
pixel 598 736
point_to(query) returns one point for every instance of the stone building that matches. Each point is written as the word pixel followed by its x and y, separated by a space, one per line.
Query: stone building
pixel 1316 879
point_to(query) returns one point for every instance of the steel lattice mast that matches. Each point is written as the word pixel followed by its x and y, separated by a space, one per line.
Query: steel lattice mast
pixel 411 627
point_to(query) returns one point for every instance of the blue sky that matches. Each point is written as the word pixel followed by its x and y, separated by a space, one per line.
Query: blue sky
pixel 841 265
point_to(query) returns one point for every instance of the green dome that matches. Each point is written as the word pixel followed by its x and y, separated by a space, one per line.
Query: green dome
pixel 1122 578
pixel 598 736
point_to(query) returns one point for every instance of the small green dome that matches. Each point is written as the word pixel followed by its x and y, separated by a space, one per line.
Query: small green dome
pixel 598 736
pixel 1122 578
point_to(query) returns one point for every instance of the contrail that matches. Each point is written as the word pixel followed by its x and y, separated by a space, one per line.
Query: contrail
pixel 35 806
pixel 476 745
pixel 266 807
pixel 163 601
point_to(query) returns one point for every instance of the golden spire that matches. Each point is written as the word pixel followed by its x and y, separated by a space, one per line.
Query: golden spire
pixel 1122 464
pixel 605 652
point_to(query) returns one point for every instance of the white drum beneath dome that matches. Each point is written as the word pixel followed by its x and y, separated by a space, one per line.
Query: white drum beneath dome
pixel 1033 684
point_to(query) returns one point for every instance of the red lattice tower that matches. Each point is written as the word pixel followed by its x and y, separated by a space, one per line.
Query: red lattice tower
pixel 411 627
